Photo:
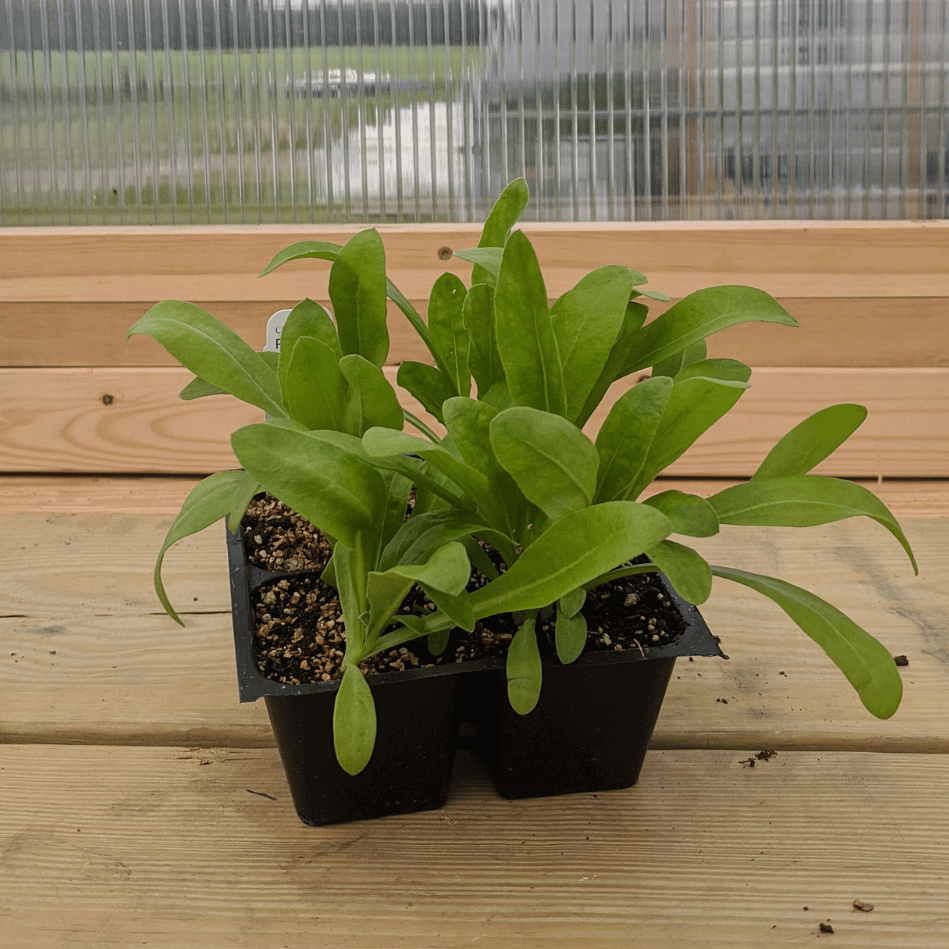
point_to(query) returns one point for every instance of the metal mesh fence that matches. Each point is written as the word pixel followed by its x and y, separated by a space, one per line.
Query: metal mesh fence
pixel 229 111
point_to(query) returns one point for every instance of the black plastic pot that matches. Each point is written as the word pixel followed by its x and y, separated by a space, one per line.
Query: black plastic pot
pixel 594 719
pixel 589 731
pixel 418 719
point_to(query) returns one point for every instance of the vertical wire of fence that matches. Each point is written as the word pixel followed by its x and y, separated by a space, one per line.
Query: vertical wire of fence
pixel 311 111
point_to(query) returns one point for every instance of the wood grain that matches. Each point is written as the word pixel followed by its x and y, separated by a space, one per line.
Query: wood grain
pixel 112 847
pixel 835 331
pixel 131 421
pixel 158 494
pixel 90 657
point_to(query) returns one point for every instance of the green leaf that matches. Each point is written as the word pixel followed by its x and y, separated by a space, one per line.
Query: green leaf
pixel 357 288
pixel 587 321
pixel 447 326
pixel 331 487
pixel 308 318
pixel 487 261
pixel 698 316
pixel 429 385
pixel 571 603
pixel 447 570
pixel 222 494
pixel 865 662
pixel 327 251
pixel 322 250
pixel 686 570
pixel 354 721
pixel 626 436
pixel 483 357
pixel 371 401
pixel 576 549
pixel 199 389
pixel 523 669
pixel 552 461
pixel 619 355
pixel 314 391
pixel 690 514
pixel 422 534
pixel 804 501
pixel 212 351
pixel 672 366
pixel 383 443
pixel 570 636
pixel 443 577
pixel 525 335
pixel 505 213
pixel 701 394
pixel 469 426
pixel 811 441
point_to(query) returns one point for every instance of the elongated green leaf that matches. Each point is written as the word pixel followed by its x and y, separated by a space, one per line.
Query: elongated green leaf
pixel 487 261
pixel 308 318
pixel 570 636
pixel 690 514
pixel 331 487
pixel 483 357
pixel 686 570
pixel 553 462
pixel 523 668
pixel 571 603
pixel 327 251
pixel 357 288
pixel 672 366
pixel 354 721
pixel 804 501
pixel 575 550
pixel 382 443
pixel 443 577
pixel 322 250
pixel 587 321
pixel 422 534
pixel 199 389
pixel 447 325
pixel 314 391
pixel 429 385
pixel 212 351
pixel 811 441
pixel 525 335
pixel 469 426
pixel 505 213
pixel 446 570
pixel 701 394
pixel 398 488
pixel 626 435
pixel 619 355
pixel 371 400
pixel 698 316
pixel 865 662
pixel 223 493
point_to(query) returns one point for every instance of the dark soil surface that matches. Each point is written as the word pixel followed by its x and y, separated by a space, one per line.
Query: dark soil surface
pixel 300 633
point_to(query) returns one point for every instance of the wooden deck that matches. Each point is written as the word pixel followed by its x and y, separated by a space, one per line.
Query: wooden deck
pixel 140 804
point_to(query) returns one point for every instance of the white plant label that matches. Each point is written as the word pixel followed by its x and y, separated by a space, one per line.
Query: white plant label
pixel 274 329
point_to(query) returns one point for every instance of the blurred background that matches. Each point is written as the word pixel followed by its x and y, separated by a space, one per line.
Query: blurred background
pixel 332 111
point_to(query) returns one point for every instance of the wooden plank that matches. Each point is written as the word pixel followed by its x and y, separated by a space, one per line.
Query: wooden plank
pixel 90 657
pixel 131 421
pixel 835 331
pixel 873 255
pixel 193 847
pixel 144 494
